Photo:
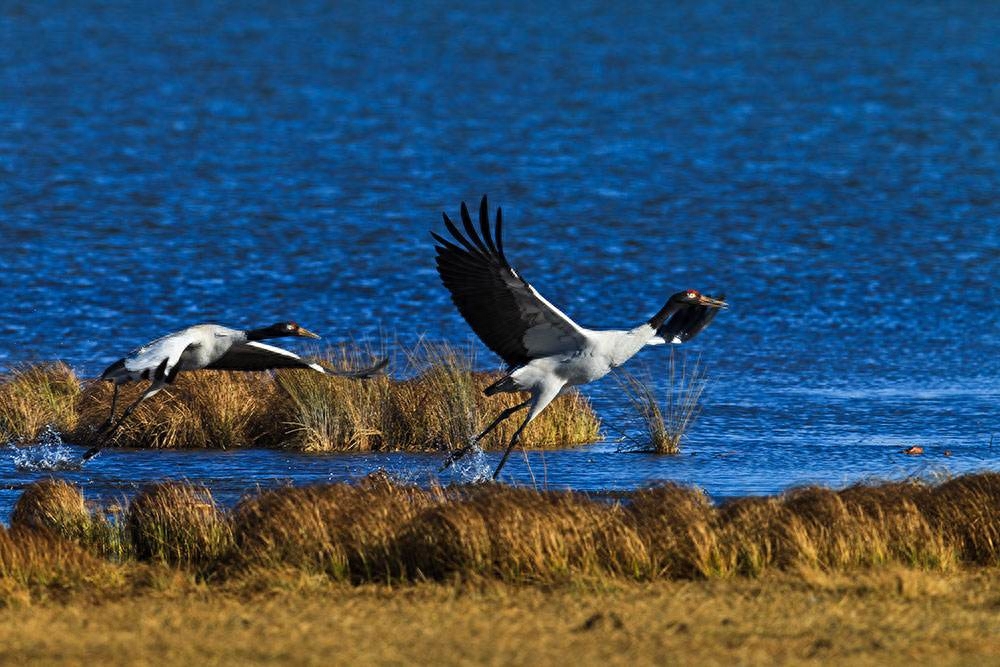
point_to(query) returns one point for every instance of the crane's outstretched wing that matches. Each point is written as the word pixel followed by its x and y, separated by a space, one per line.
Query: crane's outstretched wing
pixel 687 323
pixel 155 360
pixel 257 356
pixel 506 312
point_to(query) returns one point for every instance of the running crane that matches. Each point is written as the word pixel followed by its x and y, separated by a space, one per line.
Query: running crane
pixel 210 346
pixel 545 351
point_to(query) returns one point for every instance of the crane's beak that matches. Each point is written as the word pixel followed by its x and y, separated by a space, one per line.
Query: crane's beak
pixel 305 333
pixel 710 301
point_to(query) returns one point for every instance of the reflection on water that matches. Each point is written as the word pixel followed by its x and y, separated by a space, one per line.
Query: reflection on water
pixel 832 169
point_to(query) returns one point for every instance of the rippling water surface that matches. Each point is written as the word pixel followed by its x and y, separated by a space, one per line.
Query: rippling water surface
pixel 833 170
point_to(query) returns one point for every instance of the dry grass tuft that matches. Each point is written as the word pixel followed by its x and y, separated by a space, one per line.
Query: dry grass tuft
pixel 906 534
pixel 522 535
pixel 34 561
pixel 668 417
pixel 967 511
pixel 205 409
pixel 35 397
pixel 748 535
pixel 53 505
pixel 679 525
pixel 178 524
pixel 440 407
pixel 381 530
pixel 342 531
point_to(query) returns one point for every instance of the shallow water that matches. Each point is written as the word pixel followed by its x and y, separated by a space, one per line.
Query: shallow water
pixel 833 170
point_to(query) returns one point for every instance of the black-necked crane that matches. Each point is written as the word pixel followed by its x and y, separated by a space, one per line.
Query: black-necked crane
pixel 208 346
pixel 544 350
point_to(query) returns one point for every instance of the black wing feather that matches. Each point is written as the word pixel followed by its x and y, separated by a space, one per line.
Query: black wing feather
pixel 510 317
pixel 247 357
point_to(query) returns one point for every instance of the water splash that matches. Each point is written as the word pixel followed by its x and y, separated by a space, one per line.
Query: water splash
pixel 47 452
pixel 473 468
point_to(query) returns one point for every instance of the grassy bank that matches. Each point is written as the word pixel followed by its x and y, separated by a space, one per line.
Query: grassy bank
pixel 889 617
pixel 440 406
pixel 384 573
pixel 383 531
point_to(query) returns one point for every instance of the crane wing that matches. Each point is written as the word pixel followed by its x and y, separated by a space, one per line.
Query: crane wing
pixel 504 310
pixel 256 356
pixel 687 323
pixel 165 351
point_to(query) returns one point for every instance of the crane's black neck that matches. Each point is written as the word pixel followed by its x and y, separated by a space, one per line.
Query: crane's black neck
pixel 669 308
pixel 264 333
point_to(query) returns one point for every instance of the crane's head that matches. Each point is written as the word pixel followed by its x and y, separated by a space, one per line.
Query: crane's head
pixel 695 298
pixel 290 329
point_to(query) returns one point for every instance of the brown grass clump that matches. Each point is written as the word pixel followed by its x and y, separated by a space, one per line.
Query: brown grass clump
pixel 178 524
pixel 906 534
pixel 381 530
pixel 680 527
pixel 35 397
pixel 345 532
pixel 204 409
pixel 748 535
pixel 818 530
pixel 967 511
pixel 522 535
pixel 53 505
pixel 36 561
pixel 666 418
pixel 441 407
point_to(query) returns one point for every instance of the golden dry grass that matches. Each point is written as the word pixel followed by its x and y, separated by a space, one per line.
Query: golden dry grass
pixel 53 505
pixel 440 406
pixel 35 397
pixel 205 409
pixel 666 416
pixel 880 574
pixel 383 530
pixel 890 617
pixel 178 524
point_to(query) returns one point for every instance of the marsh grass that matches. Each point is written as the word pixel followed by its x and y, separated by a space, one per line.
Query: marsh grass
pixel 345 532
pixel 382 530
pixel 178 524
pixel 439 406
pixel 34 397
pixel 666 416
pixel 219 409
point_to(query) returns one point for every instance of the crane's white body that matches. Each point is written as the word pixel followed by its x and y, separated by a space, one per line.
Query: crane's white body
pixel 600 352
pixel 189 349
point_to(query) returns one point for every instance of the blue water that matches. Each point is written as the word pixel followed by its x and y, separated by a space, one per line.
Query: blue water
pixel 833 169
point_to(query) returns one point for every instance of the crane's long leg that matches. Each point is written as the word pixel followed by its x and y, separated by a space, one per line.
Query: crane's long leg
pixel 510 447
pixel 459 453
pixel 151 391
pixel 111 418
pixel 538 403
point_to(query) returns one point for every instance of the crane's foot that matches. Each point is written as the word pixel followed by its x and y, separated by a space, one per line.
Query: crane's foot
pixel 455 456
pixel 90 453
